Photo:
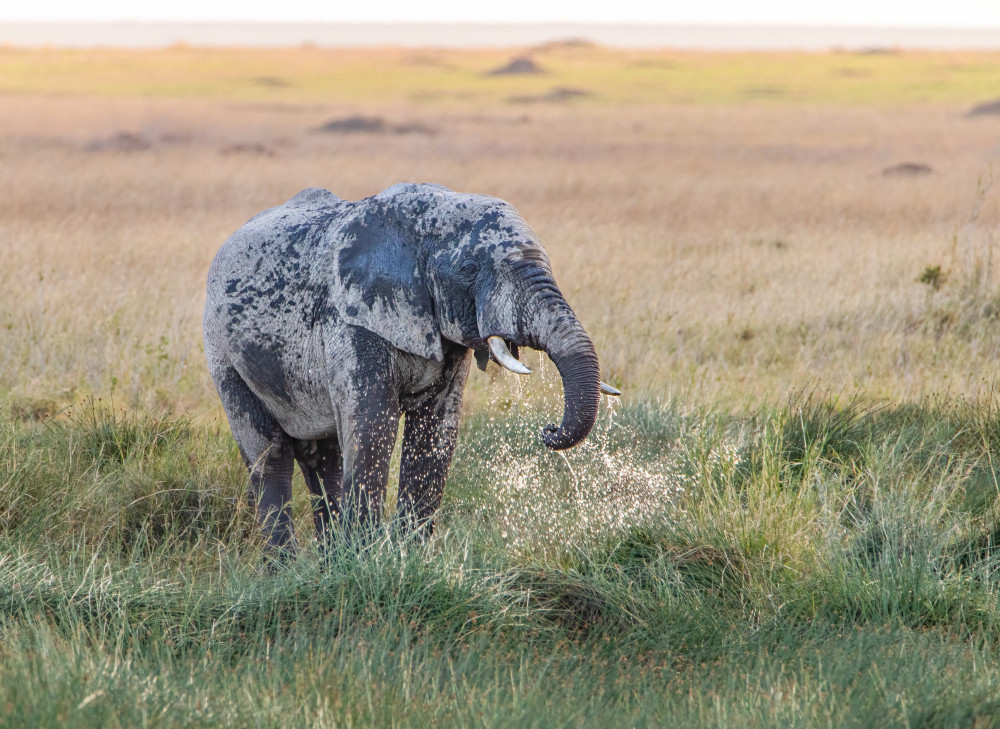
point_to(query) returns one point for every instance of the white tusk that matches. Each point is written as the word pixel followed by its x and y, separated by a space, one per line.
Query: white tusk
pixel 609 390
pixel 502 355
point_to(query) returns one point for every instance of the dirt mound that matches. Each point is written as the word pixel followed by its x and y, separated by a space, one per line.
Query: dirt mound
pixel 370 125
pixel 355 125
pixel 120 142
pixel 908 169
pixel 273 82
pixel 988 108
pixel 879 51
pixel 521 65
pixel 411 128
pixel 175 138
pixel 565 44
pixel 557 95
pixel 248 148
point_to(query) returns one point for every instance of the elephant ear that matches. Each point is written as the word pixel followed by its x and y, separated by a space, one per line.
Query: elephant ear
pixel 379 284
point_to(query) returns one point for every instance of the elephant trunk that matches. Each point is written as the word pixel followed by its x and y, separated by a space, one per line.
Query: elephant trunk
pixel 536 315
pixel 569 347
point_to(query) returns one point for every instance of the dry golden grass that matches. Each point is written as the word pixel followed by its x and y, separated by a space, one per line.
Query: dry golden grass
pixel 457 77
pixel 710 248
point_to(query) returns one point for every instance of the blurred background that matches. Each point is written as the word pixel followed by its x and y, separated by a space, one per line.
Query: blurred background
pixel 739 203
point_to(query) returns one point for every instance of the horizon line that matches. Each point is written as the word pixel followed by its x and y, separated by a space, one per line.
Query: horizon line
pixel 479 34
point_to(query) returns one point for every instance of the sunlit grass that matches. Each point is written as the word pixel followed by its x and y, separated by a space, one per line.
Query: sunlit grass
pixel 460 77
pixel 719 553
pixel 841 571
pixel 746 251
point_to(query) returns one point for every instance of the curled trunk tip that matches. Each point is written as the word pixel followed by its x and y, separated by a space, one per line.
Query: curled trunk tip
pixel 582 392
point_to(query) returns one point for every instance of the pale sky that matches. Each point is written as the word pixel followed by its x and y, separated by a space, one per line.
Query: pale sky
pixel 887 13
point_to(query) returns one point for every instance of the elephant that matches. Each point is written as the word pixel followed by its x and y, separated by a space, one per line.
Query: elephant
pixel 327 320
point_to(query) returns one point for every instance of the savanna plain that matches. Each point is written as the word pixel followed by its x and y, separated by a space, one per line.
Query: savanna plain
pixel 786 262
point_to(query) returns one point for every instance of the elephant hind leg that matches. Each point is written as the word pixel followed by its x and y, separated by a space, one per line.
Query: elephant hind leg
pixel 322 468
pixel 268 454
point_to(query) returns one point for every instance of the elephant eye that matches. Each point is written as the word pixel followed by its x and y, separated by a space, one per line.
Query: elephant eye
pixel 469 267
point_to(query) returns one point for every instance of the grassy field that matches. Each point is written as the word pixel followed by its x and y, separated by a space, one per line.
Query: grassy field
pixel 724 248
pixel 812 565
pixel 456 78
pixel 789 520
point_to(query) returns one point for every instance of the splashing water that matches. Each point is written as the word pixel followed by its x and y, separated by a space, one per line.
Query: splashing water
pixel 550 502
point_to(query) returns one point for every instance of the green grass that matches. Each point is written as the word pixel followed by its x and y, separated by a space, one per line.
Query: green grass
pixel 817 563
pixel 435 76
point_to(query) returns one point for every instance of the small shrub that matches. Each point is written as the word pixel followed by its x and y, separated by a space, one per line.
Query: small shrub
pixel 932 276
pixel 110 435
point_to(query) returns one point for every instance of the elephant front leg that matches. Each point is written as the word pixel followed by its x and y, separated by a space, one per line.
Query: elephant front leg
pixel 367 452
pixel 430 433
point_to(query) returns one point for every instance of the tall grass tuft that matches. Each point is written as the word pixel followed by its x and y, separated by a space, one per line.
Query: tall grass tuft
pixel 819 563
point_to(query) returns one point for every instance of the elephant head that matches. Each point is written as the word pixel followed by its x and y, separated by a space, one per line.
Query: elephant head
pixel 420 264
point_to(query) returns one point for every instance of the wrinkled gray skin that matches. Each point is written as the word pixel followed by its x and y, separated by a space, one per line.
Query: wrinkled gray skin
pixel 327 320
